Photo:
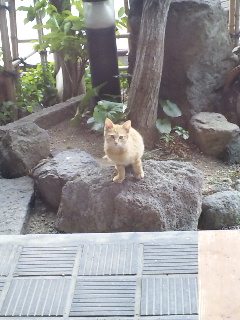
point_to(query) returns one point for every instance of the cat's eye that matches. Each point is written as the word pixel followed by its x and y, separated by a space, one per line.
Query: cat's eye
pixel 121 137
pixel 112 136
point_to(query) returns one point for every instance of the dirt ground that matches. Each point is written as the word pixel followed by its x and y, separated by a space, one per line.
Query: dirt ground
pixel 217 175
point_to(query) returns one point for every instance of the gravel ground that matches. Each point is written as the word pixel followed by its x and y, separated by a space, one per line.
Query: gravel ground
pixel 41 219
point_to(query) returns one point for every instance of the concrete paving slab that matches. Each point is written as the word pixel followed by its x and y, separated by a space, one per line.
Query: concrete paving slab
pixel 99 276
pixel 15 197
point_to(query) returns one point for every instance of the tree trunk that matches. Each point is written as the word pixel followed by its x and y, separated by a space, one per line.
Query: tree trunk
pixel 72 71
pixel 144 89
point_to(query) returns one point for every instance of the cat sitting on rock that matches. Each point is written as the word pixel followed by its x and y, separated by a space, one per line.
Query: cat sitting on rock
pixel 124 146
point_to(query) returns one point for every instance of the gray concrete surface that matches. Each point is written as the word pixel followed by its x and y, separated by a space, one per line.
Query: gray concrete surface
pixel 115 275
pixel 15 196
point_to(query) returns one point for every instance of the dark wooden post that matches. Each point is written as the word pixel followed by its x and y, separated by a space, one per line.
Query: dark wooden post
pixel 144 89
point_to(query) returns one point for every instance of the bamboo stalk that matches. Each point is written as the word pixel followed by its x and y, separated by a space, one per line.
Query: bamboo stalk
pixel 43 55
pixel 126 7
pixel 26 40
pixel 122 35
pixel 18 61
pixel 13 28
pixel 236 23
pixel 7 56
pixel 232 20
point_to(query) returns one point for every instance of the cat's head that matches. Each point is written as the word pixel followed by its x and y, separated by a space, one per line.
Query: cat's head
pixel 115 134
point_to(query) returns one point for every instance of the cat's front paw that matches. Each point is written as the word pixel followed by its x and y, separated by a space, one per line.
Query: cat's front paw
pixel 118 179
pixel 139 175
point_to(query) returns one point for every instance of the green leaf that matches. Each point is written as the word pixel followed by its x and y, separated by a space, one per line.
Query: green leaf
pixel 121 12
pixel 8 103
pixel 23 8
pixel 51 9
pixel 66 4
pixel 170 109
pixel 93 92
pixel 39 4
pixel 42 13
pixel 72 18
pixel 38 26
pixel 163 125
pixel 29 109
pixel 67 12
pixel 25 21
pixel 79 6
pixel 90 121
pixel 31 14
pixel 97 126
pixel 77 26
pixel 67 26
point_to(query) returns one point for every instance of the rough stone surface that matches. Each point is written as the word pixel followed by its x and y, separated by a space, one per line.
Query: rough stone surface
pixel 232 153
pixel 220 210
pixel 22 148
pixel 54 173
pixel 168 198
pixel 211 132
pixel 14 204
pixel 238 107
pixel 197 54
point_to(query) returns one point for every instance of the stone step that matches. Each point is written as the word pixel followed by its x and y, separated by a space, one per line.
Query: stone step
pixel 15 198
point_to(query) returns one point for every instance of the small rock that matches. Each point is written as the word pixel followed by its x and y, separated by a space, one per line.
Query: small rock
pixel 21 149
pixel 220 210
pixel 212 133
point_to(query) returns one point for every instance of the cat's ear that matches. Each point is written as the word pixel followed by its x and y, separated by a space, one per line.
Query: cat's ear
pixel 108 124
pixel 127 125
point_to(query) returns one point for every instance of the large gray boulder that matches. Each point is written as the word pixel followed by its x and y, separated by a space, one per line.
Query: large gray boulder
pixel 66 166
pixel 211 132
pixel 21 149
pixel 197 55
pixel 168 198
pixel 220 210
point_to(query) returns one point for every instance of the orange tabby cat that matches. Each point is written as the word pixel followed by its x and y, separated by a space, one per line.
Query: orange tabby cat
pixel 124 146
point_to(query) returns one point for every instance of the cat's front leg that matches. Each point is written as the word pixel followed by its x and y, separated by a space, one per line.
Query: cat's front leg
pixel 138 169
pixel 121 174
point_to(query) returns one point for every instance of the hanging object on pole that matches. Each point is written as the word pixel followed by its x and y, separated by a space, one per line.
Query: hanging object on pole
pixel 99 19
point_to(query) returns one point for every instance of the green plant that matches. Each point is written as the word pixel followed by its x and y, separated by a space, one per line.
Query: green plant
pixel 84 105
pixel 181 132
pixel 171 110
pixel 164 125
pixel 115 111
pixel 121 20
pixel 36 88
pixel 66 37
pixel 7 112
pixel 167 137
pixel 1 56
pixel 87 78
pixel 66 31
